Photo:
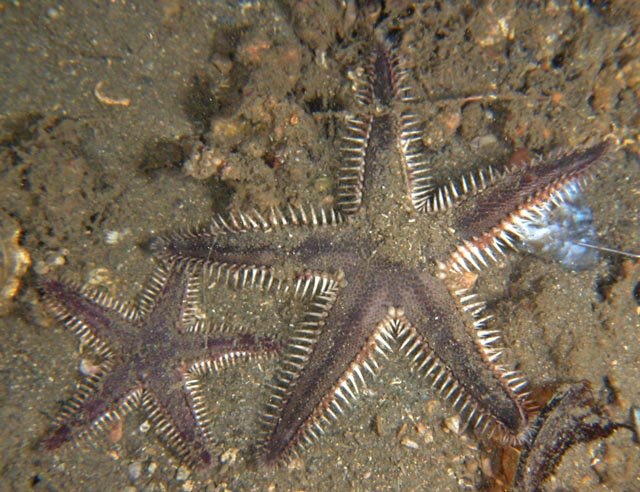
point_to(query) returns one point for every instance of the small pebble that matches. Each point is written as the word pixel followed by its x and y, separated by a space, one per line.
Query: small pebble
pixel 483 141
pixel 183 473
pixel 409 443
pixel 323 184
pixel 134 471
pixel 53 13
pixel 453 424
pixel 229 456
pixel 451 121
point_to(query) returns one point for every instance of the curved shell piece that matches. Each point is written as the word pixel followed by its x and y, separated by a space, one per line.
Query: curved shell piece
pixel 14 262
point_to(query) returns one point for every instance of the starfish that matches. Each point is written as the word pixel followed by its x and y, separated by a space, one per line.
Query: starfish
pixel 379 271
pixel 154 356
pixel 570 417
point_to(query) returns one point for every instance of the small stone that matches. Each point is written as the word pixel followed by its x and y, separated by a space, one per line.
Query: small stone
pixel 425 432
pixel 428 437
pixel 453 424
pixel 230 456
pixel 170 10
pixel 323 184
pixel 451 121
pixel 134 471
pixel 145 427
pixel 409 443
pixel 183 473
pixel 56 258
pixel 483 141
pixel 53 13
pixel 188 486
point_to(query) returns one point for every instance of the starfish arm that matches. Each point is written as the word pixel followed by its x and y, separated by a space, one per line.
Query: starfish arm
pixel 171 415
pixel 101 400
pixel 239 249
pixel 323 365
pixel 446 195
pixel 375 128
pixel 570 417
pixel 442 342
pixel 494 218
pixel 205 352
pixel 91 315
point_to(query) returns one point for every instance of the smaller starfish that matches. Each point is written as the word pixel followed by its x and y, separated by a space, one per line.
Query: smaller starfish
pixel 572 416
pixel 154 357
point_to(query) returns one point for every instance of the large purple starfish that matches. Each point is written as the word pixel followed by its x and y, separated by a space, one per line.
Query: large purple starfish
pixel 380 270
pixel 154 357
